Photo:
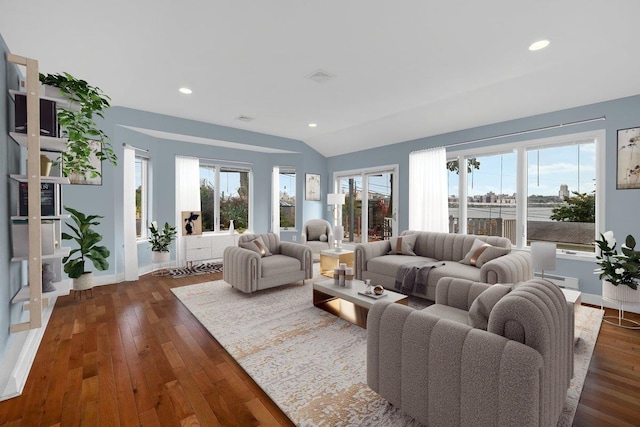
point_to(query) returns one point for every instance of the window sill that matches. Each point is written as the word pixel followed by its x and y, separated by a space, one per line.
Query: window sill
pixel 571 255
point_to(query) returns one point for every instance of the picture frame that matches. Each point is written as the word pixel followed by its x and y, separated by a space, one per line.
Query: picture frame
pixel 312 187
pixel 191 223
pixel 86 179
pixel 628 159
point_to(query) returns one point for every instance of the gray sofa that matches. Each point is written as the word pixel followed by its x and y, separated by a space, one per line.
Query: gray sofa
pixel 373 262
pixel 249 271
pixel 444 372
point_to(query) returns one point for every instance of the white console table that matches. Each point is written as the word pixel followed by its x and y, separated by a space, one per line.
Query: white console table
pixel 208 246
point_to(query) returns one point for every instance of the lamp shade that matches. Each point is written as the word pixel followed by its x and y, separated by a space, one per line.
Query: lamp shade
pixel 335 199
pixel 543 255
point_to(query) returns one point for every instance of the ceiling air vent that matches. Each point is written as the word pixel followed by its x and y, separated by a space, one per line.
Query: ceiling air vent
pixel 320 76
pixel 245 118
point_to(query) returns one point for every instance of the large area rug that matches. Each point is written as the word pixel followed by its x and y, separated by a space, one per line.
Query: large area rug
pixel 313 364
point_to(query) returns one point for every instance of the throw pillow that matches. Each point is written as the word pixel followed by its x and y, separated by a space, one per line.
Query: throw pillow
pixel 482 252
pixel 323 237
pixel 315 231
pixel 257 245
pixel 403 245
pixel 481 307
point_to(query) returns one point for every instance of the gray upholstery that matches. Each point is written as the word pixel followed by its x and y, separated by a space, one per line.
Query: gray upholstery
pixel 246 271
pixel 443 372
pixel 372 261
pixel 310 229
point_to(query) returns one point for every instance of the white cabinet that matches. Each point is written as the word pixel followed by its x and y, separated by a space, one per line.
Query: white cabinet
pixel 208 246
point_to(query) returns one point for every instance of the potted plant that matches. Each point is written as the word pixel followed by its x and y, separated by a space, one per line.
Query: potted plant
pixel 620 272
pixel 160 241
pixel 79 127
pixel 87 240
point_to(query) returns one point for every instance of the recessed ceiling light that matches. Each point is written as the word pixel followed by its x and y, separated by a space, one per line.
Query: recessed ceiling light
pixel 185 90
pixel 313 125
pixel 540 44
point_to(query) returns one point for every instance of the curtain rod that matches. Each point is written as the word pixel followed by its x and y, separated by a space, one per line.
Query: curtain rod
pixel 224 161
pixel 124 144
pixel 523 132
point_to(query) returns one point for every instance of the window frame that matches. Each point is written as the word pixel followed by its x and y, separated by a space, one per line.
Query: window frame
pixel 289 170
pixel 521 149
pixel 145 196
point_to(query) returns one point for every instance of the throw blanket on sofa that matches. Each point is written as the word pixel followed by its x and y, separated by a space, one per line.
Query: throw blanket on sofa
pixel 412 276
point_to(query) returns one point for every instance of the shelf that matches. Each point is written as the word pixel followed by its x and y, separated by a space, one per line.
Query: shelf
pixel 60 101
pixel 47 143
pixel 57 253
pixel 62 288
pixel 52 217
pixel 52 179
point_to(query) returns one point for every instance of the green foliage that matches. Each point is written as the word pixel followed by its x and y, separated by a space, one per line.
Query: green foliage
pixel 618 269
pixel 87 240
pixel 580 208
pixel 472 163
pixel 79 127
pixel 160 240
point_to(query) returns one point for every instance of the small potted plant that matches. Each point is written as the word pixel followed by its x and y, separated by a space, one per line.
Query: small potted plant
pixel 620 272
pixel 160 241
pixel 88 249
pixel 84 137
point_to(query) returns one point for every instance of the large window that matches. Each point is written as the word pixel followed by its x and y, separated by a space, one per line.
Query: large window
pixel 287 180
pixel 224 196
pixel 142 196
pixel 543 190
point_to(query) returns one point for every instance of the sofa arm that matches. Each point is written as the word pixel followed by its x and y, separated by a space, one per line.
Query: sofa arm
pixel 302 253
pixel 442 372
pixel 458 293
pixel 512 268
pixel 241 268
pixel 366 251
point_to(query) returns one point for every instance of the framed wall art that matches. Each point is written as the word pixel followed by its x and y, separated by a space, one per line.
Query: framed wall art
pixel 312 187
pixel 191 223
pixel 628 159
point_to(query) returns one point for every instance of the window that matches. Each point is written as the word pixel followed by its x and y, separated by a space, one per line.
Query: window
pixel 551 196
pixel 224 196
pixel 142 196
pixel 287 180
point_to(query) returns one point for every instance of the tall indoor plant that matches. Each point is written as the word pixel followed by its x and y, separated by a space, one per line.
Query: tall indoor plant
pixel 160 240
pixel 78 125
pixel 620 271
pixel 88 249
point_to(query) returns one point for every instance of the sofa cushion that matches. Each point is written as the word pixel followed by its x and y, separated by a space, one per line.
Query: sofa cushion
pixel 481 307
pixel 258 246
pixel 323 237
pixel 277 265
pixel 451 313
pixel 482 252
pixel 315 231
pixel 403 245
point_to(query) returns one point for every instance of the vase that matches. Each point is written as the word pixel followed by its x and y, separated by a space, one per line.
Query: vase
pixel 620 293
pixel 45 165
pixel 158 257
pixel 47 278
pixel 231 228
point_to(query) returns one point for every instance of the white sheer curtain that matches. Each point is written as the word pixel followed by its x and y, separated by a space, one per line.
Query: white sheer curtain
pixel 129 215
pixel 187 196
pixel 428 203
pixel 275 200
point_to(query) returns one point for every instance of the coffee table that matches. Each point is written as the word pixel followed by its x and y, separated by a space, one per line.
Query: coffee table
pixel 346 303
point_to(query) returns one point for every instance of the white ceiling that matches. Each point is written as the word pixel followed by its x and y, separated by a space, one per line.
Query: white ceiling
pixel 403 69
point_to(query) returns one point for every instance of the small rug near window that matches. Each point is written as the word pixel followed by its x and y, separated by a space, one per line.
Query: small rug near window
pixel 205 268
pixel 312 364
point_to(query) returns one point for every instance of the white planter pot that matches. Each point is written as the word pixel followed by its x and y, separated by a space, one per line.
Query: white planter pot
pixel 160 257
pixel 620 293
pixel 83 282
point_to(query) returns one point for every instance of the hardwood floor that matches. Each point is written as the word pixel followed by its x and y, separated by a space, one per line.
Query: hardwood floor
pixel 133 355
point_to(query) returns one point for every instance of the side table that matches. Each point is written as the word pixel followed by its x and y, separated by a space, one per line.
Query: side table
pixel 331 259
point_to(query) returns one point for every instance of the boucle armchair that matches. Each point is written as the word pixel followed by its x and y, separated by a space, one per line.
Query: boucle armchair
pixel 267 264
pixel 318 235
pixel 445 372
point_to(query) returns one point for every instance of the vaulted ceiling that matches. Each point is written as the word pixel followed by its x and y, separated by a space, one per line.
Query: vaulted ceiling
pixel 399 70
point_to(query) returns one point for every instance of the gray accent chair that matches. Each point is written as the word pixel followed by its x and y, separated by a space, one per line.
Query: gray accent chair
pixel 373 262
pixel 248 272
pixel 310 236
pixel 444 372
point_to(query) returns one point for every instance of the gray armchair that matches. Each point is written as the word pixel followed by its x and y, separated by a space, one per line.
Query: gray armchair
pixel 312 233
pixel 248 270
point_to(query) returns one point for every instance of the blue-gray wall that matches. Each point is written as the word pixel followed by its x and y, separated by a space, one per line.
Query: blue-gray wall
pixel 621 205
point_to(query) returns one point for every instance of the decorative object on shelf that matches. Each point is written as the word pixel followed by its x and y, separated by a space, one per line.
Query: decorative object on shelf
pixel 84 136
pixel 378 290
pixel 312 187
pixel 543 256
pixel 47 278
pixel 368 288
pixel 620 273
pixel 160 240
pixel 628 159
pixel 87 240
pixel 191 223
pixel 45 165
pixel 231 227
